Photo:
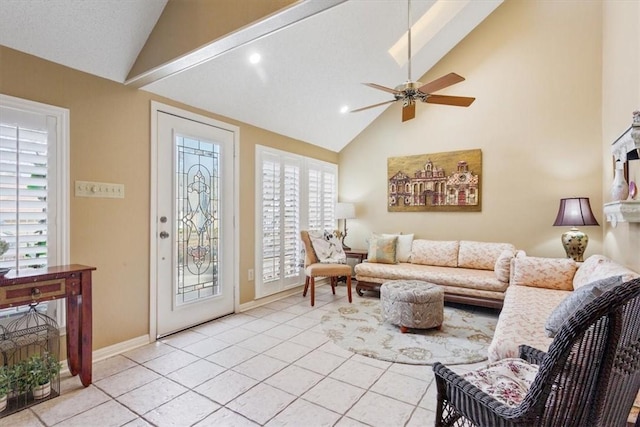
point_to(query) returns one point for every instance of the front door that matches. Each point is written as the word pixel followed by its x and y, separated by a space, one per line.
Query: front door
pixel 194 230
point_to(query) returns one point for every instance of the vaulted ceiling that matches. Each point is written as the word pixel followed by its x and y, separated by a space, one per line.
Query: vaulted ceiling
pixel 314 54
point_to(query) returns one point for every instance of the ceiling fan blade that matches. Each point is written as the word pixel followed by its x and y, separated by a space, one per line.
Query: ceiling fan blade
pixel 458 101
pixel 384 88
pixel 441 83
pixel 408 111
pixel 372 106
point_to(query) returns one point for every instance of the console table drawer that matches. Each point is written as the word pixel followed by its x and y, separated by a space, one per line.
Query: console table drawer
pixel 21 294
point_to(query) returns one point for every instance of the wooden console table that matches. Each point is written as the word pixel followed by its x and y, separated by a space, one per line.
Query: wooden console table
pixel 72 282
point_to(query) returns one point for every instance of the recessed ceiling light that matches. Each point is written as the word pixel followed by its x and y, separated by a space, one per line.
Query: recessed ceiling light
pixel 255 58
pixel 344 109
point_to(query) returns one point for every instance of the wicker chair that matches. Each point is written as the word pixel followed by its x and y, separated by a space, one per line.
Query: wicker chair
pixel 313 269
pixel 589 377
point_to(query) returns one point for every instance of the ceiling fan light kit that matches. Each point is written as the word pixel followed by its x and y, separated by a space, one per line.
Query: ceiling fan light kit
pixel 412 91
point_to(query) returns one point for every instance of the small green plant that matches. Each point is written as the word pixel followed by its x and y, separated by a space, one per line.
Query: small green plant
pixel 18 376
pixel 42 369
pixel 4 380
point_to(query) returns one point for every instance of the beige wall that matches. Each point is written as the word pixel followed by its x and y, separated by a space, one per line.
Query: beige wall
pixel 535 69
pixel 620 96
pixel 110 140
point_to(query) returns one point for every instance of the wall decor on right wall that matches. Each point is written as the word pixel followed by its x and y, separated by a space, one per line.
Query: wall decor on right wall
pixel 446 182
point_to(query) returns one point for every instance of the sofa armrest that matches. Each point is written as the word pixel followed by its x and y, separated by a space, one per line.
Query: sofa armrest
pixel 531 355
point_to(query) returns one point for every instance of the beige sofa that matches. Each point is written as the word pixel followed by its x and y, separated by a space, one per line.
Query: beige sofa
pixel 537 286
pixel 470 272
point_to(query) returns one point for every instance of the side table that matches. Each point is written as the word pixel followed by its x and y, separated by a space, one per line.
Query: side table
pixel 359 254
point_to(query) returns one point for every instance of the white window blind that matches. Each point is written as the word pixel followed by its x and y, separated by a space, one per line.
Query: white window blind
pixel 24 171
pixel 322 190
pixel 292 193
pixel 33 187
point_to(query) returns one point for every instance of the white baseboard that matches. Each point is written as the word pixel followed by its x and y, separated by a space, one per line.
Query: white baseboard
pixel 113 350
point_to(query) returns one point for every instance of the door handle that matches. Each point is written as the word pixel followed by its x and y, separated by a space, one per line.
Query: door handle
pixel 164 234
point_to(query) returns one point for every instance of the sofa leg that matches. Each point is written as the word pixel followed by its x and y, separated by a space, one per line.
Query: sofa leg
pixel 404 329
pixel 349 287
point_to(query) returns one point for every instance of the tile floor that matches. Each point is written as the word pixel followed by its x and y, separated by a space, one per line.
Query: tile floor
pixel 270 366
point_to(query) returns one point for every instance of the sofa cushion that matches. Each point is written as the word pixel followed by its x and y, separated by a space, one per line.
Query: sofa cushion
pixel 551 273
pixel 403 246
pixel 598 267
pixel 435 252
pixel 481 280
pixel 577 300
pixel 522 320
pixel 327 248
pixel 481 255
pixel 382 249
pixel 502 267
pixel 507 380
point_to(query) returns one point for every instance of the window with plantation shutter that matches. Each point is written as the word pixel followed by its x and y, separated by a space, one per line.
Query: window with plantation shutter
pixel 33 185
pixel 293 193
pixel 323 194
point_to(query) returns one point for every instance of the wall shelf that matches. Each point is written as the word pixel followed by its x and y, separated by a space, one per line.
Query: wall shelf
pixel 624 211
pixel 625 148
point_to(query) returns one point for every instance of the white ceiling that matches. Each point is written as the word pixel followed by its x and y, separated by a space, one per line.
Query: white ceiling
pixel 309 69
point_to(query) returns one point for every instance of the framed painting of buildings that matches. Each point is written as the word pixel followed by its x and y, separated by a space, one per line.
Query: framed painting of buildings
pixel 445 182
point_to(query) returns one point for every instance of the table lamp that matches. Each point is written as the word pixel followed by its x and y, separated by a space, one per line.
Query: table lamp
pixel 574 212
pixel 345 211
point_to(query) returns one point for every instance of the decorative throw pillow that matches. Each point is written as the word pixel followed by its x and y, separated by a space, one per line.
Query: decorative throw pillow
pixel 327 248
pixel 403 246
pixel 383 249
pixel 503 265
pixel 550 273
pixel 577 300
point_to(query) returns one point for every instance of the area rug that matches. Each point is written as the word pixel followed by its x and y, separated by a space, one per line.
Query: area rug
pixel 464 338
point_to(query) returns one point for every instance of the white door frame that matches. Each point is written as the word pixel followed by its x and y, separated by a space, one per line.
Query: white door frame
pixel 157 107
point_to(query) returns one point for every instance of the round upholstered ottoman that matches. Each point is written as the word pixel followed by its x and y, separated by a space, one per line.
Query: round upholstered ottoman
pixel 412 304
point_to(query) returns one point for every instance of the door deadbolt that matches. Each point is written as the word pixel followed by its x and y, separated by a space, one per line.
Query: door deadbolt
pixel 164 234
pixel 163 219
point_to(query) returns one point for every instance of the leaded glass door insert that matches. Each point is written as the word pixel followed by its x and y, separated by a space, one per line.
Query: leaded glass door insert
pixel 197 219
pixel 193 235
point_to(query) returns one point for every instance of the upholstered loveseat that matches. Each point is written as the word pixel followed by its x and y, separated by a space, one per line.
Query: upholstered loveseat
pixel 537 287
pixel 470 272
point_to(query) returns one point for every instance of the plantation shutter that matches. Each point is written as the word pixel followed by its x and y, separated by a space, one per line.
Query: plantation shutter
pixel 270 218
pixel 292 193
pixel 27 141
pixel 322 196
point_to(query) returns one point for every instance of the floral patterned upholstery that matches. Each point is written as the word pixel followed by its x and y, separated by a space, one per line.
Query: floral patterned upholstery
pixel 507 380
pixel 502 267
pixel 527 308
pixel 598 267
pixel 522 320
pixel 412 303
pixel 481 255
pixel 552 273
pixel 445 276
pixel 435 252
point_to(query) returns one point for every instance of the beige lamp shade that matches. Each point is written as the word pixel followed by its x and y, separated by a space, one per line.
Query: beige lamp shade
pixel 345 211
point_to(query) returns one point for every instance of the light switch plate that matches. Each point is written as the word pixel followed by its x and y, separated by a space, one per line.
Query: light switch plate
pixel 99 189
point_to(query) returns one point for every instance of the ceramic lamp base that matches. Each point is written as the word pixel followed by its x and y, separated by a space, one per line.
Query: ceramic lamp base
pixel 575 243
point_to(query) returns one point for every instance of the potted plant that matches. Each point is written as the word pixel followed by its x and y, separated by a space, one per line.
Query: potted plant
pixel 18 381
pixel 4 386
pixel 42 369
